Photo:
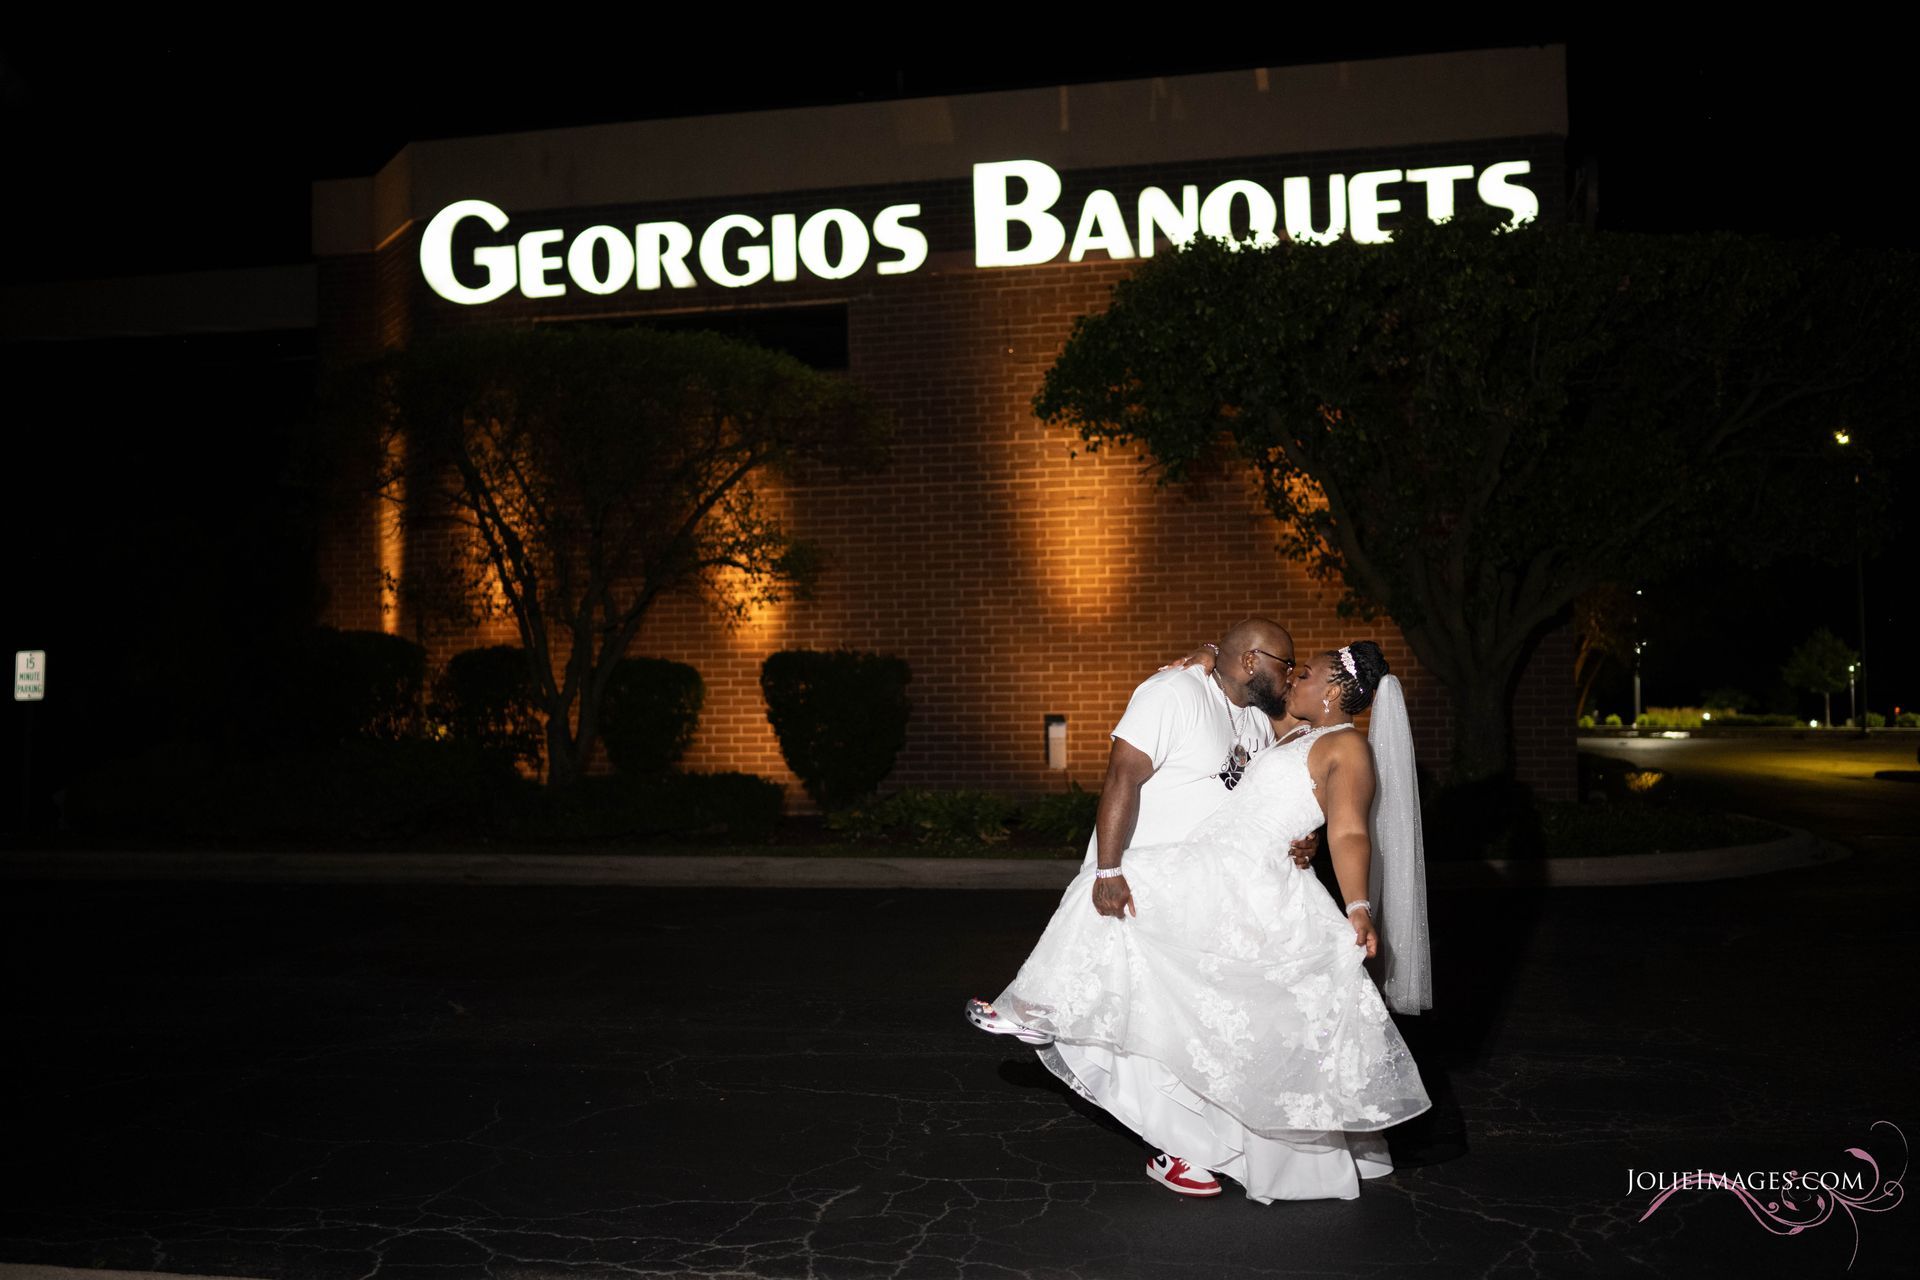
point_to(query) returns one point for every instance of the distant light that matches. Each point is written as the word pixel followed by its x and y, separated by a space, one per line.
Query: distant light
pixel 1841 437
pixel 1706 715
pixel 1813 724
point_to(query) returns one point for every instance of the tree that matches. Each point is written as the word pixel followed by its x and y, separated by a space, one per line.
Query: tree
pixel 1468 428
pixel 1820 665
pixel 595 470
pixel 1603 620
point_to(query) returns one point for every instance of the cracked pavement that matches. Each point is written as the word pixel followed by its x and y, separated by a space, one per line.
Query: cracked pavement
pixel 401 1081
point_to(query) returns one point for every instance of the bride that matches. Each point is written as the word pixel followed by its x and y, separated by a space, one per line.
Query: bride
pixel 1230 1019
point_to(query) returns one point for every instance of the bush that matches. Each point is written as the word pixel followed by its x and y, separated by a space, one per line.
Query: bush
pixel 338 686
pixel 1727 700
pixel 1586 722
pixel 486 697
pixel 649 714
pixel 1673 718
pixel 1760 722
pixel 359 790
pixel 1908 720
pixel 1492 818
pixel 1065 817
pixel 945 816
pixel 1612 722
pixel 742 805
pixel 840 717
pixel 737 806
pixel 1875 720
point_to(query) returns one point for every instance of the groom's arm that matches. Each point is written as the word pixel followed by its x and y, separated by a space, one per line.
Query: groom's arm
pixel 1128 768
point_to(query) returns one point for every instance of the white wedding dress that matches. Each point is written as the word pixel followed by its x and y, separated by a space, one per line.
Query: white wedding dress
pixel 1231 1022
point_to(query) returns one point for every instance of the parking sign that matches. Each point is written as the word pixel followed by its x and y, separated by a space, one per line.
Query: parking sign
pixel 29 675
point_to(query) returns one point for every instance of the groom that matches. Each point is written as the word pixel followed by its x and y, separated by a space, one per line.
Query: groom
pixel 1182 745
pixel 1179 749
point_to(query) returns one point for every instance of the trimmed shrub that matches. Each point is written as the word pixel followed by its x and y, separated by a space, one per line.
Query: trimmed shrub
pixel 649 714
pixel 486 697
pixel 1676 717
pixel 840 717
pixel 738 806
pixel 1586 722
pixel 1612 722
pixel 1760 722
pixel 1875 720
pixel 338 686
pixel 1066 817
pixel 929 816
pixel 1907 720
pixel 743 806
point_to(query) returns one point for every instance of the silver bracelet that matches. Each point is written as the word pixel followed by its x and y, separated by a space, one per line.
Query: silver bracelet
pixel 1106 872
pixel 1363 903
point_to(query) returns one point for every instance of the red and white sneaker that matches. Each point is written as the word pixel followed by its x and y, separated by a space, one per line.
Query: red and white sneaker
pixel 987 1018
pixel 1176 1174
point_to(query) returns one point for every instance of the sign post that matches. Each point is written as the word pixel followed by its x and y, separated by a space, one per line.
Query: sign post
pixel 29 686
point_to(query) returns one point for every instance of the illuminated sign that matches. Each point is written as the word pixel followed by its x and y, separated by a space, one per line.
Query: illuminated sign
pixel 737 250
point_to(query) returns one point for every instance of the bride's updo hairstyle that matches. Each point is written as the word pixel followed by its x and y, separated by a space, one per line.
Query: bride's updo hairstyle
pixel 1356 689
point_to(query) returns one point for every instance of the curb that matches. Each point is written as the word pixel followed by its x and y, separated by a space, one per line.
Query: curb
pixel 1796 849
pixel 730 871
pixel 1790 852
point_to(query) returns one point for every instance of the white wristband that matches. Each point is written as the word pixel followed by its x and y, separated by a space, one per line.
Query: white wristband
pixel 1360 904
pixel 1107 872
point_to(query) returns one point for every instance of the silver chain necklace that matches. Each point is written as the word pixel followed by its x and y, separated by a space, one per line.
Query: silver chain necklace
pixel 1237 755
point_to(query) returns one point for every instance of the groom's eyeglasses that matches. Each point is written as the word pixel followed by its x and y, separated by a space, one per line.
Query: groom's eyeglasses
pixel 1276 657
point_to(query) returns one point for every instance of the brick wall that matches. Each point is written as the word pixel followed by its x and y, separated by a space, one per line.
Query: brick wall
pixel 1019 582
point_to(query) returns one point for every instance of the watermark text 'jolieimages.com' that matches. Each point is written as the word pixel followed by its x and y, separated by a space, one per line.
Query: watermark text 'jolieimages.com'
pixel 1789 1201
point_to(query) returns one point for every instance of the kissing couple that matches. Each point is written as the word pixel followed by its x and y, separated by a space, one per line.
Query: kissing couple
pixel 1197 981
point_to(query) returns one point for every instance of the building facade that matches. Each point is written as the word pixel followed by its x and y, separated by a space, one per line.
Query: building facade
pixel 938 250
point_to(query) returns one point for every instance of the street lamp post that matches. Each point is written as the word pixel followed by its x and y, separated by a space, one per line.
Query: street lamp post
pixel 1637 646
pixel 1843 438
pixel 1853 705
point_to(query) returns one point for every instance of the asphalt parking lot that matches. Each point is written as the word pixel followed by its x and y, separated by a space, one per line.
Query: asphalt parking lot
pixel 294 1081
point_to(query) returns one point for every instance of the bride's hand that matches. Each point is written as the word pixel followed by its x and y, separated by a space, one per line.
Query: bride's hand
pixel 1363 932
pixel 1201 658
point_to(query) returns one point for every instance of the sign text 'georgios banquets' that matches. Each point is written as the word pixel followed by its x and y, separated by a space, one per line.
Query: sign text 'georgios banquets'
pixel 737 250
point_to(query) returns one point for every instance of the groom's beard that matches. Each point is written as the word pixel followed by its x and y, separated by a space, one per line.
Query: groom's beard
pixel 1266 693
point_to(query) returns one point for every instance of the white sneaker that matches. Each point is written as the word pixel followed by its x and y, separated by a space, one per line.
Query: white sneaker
pixel 1176 1174
pixel 987 1018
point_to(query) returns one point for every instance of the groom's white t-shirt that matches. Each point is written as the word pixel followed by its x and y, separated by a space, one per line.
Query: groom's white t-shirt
pixel 1182 721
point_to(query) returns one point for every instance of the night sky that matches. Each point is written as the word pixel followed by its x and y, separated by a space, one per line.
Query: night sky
pixel 176 150
pixel 184 152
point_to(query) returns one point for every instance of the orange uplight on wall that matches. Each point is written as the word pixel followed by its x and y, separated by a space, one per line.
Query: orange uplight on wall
pixel 390 536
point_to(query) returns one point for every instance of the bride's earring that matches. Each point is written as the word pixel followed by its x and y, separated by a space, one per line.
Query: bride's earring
pixel 1326 704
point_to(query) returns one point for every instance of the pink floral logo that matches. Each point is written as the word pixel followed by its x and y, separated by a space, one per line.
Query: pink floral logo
pixel 1791 1200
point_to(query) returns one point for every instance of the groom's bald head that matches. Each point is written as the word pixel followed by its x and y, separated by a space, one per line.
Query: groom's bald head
pixel 1255 678
pixel 1249 634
